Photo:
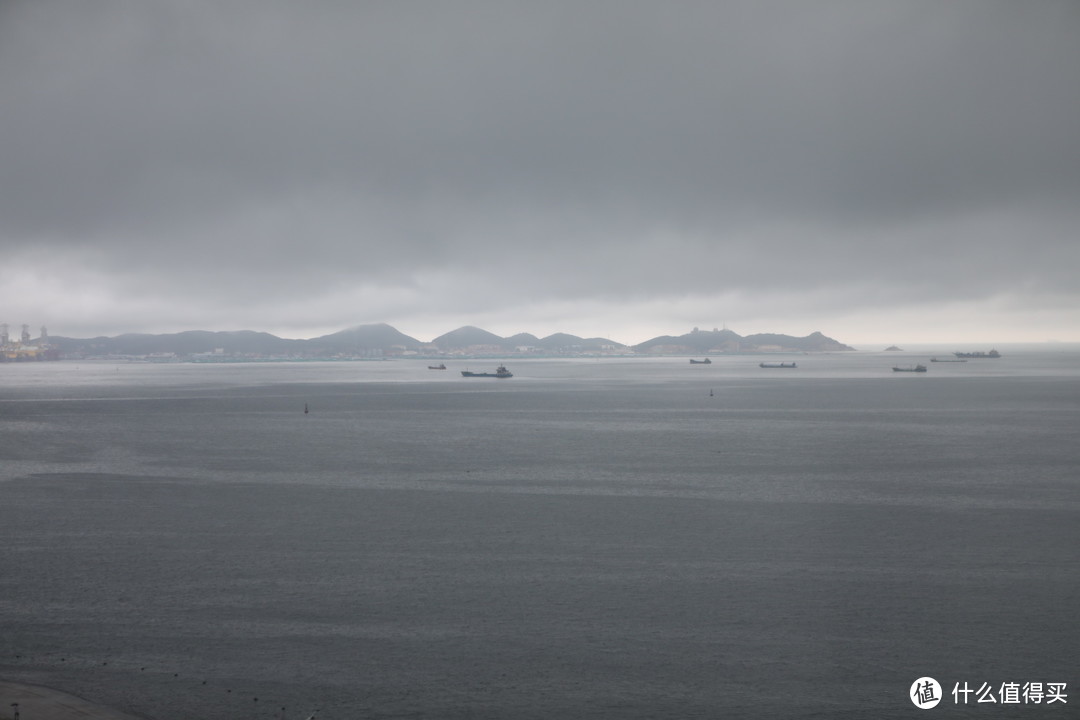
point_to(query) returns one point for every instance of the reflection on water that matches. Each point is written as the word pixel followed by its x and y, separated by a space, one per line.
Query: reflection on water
pixel 593 538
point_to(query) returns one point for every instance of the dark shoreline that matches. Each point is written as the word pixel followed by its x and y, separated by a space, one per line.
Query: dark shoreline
pixel 45 703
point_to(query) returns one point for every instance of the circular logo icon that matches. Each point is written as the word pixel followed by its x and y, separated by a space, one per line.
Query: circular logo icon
pixel 925 693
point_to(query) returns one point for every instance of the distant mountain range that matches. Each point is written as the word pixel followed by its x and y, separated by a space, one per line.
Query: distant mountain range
pixel 381 340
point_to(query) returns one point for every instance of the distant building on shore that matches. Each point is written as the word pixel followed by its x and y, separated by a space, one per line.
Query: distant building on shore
pixel 25 349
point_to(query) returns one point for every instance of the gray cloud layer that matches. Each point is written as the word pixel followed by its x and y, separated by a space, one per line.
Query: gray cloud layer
pixel 215 163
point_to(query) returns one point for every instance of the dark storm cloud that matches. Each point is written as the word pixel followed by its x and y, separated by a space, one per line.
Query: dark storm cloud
pixel 541 151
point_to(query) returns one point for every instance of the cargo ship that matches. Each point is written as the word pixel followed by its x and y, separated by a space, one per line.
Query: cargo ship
pixel 993 354
pixel 910 368
pixel 777 365
pixel 500 372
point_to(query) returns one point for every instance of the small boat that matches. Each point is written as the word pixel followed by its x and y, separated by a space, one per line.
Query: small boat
pixel 500 372
pixel 706 361
pixel 777 365
pixel 440 366
pixel 910 368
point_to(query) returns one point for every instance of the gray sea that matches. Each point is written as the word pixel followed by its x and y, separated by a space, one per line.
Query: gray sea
pixel 593 538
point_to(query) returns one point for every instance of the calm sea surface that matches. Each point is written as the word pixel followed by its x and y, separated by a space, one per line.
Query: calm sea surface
pixel 613 538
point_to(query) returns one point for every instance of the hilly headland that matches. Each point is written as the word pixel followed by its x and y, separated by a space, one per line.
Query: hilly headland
pixel 383 341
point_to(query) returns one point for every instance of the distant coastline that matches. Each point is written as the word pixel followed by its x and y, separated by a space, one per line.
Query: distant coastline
pixel 378 341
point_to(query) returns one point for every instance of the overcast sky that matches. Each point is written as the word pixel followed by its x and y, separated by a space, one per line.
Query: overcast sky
pixel 879 171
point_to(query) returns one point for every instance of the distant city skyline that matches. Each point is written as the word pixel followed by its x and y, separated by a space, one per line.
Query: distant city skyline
pixel 888 172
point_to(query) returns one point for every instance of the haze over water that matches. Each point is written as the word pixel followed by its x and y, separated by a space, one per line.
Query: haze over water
pixel 613 538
